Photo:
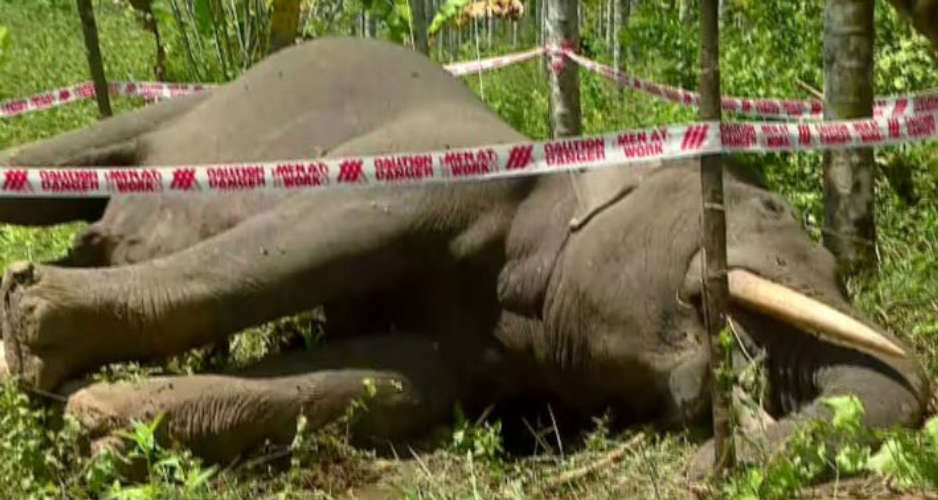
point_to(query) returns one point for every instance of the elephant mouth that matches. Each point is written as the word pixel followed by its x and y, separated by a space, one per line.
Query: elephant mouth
pixel 761 295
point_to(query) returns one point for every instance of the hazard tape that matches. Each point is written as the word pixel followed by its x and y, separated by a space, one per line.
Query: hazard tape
pixel 899 105
pixel 478 66
pixel 65 95
pixel 469 164
pixel 812 109
pixel 158 91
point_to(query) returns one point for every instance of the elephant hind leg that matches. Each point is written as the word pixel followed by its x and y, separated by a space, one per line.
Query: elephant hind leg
pixel 405 383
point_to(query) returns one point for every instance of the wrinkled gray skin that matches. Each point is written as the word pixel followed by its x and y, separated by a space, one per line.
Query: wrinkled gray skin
pixel 472 292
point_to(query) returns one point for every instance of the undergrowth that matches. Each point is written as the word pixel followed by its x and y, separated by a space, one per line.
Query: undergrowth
pixel 767 49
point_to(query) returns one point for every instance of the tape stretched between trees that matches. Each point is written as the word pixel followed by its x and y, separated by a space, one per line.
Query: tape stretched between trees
pixel 757 107
pixel 468 164
pixel 791 109
pixel 65 95
pixel 156 91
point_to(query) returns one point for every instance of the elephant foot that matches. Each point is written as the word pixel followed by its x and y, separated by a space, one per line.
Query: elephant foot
pixel 56 324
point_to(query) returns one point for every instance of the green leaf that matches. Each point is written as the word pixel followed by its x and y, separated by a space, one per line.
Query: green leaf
pixel 200 479
pixel 885 460
pixel 162 12
pixel 4 41
pixel 203 17
pixel 447 13
pixel 852 459
pixel 930 429
pixel 848 411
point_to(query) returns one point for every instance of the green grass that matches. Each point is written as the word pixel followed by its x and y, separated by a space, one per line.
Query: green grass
pixel 42 457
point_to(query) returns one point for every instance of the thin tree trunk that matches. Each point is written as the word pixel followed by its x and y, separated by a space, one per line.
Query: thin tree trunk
pixel 475 36
pixel 93 50
pixel 490 20
pixel 284 23
pixel 611 14
pixel 601 20
pixel 190 56
pixel 219 48
pixel 419 26
pixel 715 287
pixel 542 33
pixel 849 225
pixel 564 103
pixel 371 22
pixel 621 11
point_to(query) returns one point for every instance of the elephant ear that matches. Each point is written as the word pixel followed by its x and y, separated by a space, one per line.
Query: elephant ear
pixel 598 189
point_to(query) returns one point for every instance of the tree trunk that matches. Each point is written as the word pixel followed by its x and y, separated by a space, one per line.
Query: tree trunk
pixel 849 225
pixel 620 20
pixel 601 20
pixel 489 20
pixel 284 22
pixel 610 22
pixel 922 14
pixel 90 30
pixel 371 23
pixel 715 287
pixel 564 104
pixel 542 32
pixel 419 26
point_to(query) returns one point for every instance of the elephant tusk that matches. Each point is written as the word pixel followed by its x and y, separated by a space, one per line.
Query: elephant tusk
pixel 795 308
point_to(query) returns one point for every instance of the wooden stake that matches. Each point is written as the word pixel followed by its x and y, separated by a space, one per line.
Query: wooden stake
pixel 562 30
pixel 90 29
pixel 715 287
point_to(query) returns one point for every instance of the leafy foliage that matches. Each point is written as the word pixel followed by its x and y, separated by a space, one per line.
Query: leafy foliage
pixel 218 39
pixel 447 14
pixel 842 447
pixel 4 42
pixel 165 471
pixel 395 14
pixel 480 439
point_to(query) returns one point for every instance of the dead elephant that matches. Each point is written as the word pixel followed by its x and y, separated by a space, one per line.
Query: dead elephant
pixel 582 289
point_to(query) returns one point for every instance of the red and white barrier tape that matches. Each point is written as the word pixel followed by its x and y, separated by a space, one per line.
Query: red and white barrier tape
pixel 479 163
pixel 478 66
pixel 65 95
pixel 153 91
pixel 813 109
pixel 762 107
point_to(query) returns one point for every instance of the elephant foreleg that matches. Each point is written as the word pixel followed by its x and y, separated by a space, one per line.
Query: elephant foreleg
pixel 309 250
pixel 406 387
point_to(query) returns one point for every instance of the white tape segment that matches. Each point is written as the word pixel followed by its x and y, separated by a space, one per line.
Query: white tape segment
pixel 479 163
pixel 478 66
pixel 764 108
